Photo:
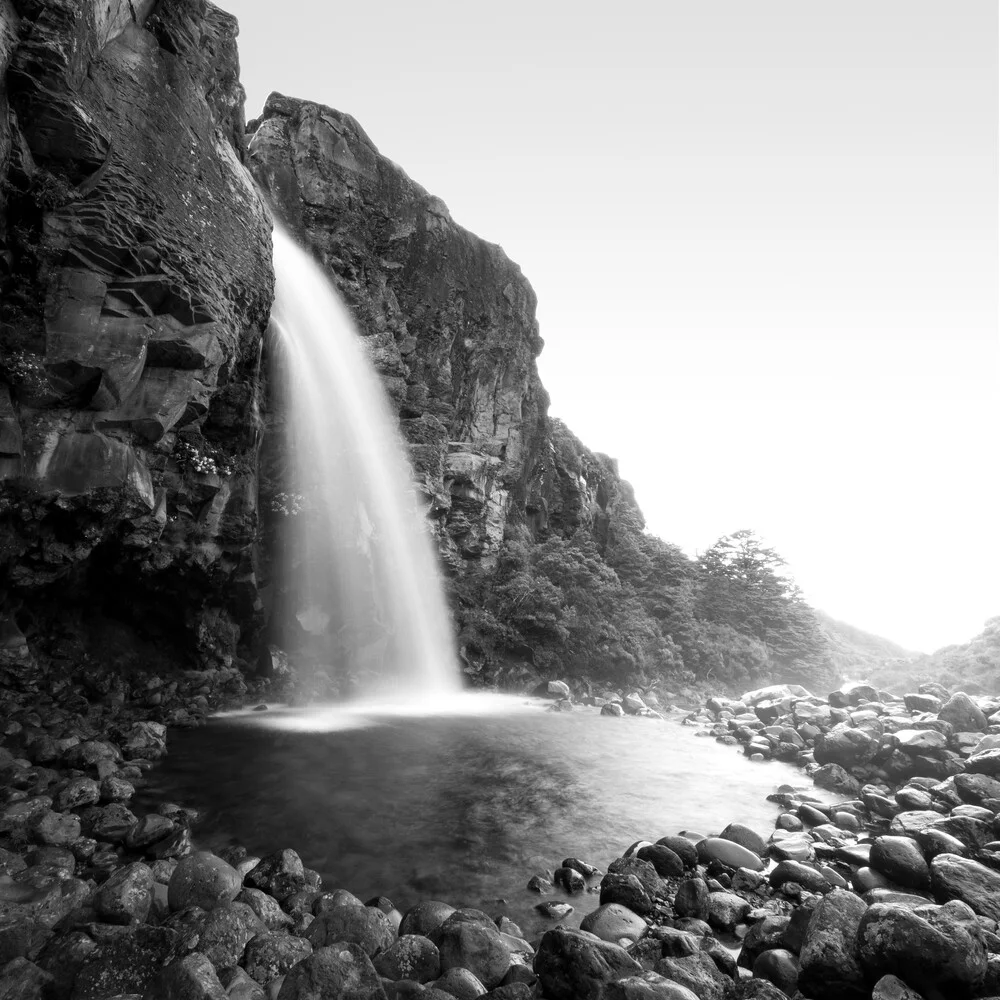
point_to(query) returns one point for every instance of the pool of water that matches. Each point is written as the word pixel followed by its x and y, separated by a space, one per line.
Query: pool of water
pixel 461 801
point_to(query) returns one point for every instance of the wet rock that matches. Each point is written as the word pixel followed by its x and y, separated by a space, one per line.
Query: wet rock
pixel 266 907
pixel 683 848
pixel 794 871
pixel 963 714
pixel 115 789
pixel 412 956
pixel 554 911
pixel 921 703
pixel 23 980
pixel 127 963
pixel 204 880
pixel 691 899
pixel 189 978
pixel 642 870
pixel 834 778
pixel 570 880
pixel 697 973
pixel 340 970
pixel 460 983
pixel 726 910
pixel 574 965
pixel 745 837
pixel 625 890
pixel 901 860
pixel 615 923
pixel 829 960
pixel 666 862
pixel 893 988
pixel 425 916
pixel 612 708
pixel 729 853
pixel 364 926
pixel 268 956
pixel 465 941
pixel 780 967
pixel 148 830
pixel 938 948
pixel 845 746
pixel 111 822
pixel 127 895
pixel 280 875
pixel 648 986
pixel 226 931
pixel 56 828
pixel 954 877
pixel 78 792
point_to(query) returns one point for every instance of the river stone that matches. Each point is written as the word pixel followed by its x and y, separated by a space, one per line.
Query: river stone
pixel 612 708
pixel 226 931
pixel 829 960
pixel 586 870
pixel 627 891
pixel 189 978
pixel 78 792
pixel 963 713
pixel 570 880
pixel 125 963
pixel 698 973
pixel 648 986
pixel 683 848
pixel 613 922
pixel 902 860
pixel 574 965
pixel 111 822
pixel 279 874
pixel 973 832
pixel 893 988
pixel 729 853
pixel 460 983
pixel 921 702
pixel 266 907
pixel 914 799
pixel 834 778
pixel 667 862
pixel 127 896
pixel 57 828
pixel 204 880
pixel 150 829
pixel 845 746
pixel 364 926
pixel 642 870
pixel 985 762
pixel 954 877
pixel 934 842
pixel 785 845
pixel 762 935
pixel 778 966
pixel 412 956
pixel 268 956
pixel 976 787
pixel 673 942
pixel 468 941
pixel 691 899
pixel 341 970
pixel 745 837
pixel 425 916
pixel 794 871
pixel 933 948
pixel 909 824
pixel 726 910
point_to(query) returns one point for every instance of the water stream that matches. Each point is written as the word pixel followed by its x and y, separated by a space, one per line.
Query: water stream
pixel 359 571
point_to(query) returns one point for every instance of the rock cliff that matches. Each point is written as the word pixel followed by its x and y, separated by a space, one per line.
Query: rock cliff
pixel 449 322
pixel 135 284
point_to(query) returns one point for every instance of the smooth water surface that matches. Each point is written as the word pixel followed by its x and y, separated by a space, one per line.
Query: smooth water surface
pixel 464 806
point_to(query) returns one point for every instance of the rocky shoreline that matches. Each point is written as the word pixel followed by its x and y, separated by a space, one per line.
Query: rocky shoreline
pixel 891 893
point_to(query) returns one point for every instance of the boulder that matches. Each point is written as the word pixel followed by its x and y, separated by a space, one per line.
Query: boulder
pixel 901 860
pixel 745 837
pixel 666 862
pixel 202 879
pixel 726 910
pixel 465 941
pixel 368 928
pixel 425 916
pixel 954 877
pixel 412 956
pixel 268 955
pixel 963 714
pixel 829 960
pixel 729 853
pixel 648 986
pixel 615 923
pixel 698 973
pixel 189 978
pixel 930 948
pixel 575 965
pixel 691 899
pixel 341 970
pixel 845 746
pixel 127 896
pixel 226 931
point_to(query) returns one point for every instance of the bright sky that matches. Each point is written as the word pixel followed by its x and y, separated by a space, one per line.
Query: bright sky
pixel 764 241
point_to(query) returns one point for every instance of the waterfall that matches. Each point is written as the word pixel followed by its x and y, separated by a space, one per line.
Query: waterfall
pixel 358 565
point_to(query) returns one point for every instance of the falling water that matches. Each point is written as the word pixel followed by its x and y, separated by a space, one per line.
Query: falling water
pixel 360 572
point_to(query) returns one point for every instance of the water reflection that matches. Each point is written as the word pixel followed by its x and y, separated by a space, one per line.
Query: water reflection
pixel 461 808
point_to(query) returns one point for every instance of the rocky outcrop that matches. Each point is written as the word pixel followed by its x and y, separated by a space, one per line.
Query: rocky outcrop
pixel 449 323
pixel 135 283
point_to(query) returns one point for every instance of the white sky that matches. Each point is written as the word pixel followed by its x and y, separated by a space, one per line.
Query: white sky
pixel 764 241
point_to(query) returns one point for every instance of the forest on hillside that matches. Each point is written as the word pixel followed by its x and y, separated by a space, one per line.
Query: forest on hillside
pixel 620 606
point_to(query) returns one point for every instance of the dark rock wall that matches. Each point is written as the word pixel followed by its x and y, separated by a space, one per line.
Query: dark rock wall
pixel 449 322
pixel 135 283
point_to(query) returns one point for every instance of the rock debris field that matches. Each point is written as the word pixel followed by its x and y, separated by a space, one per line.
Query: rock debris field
pixel 891 894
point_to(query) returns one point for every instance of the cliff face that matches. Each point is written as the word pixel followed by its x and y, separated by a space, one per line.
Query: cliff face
pixel 449 322
pixel 135 283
